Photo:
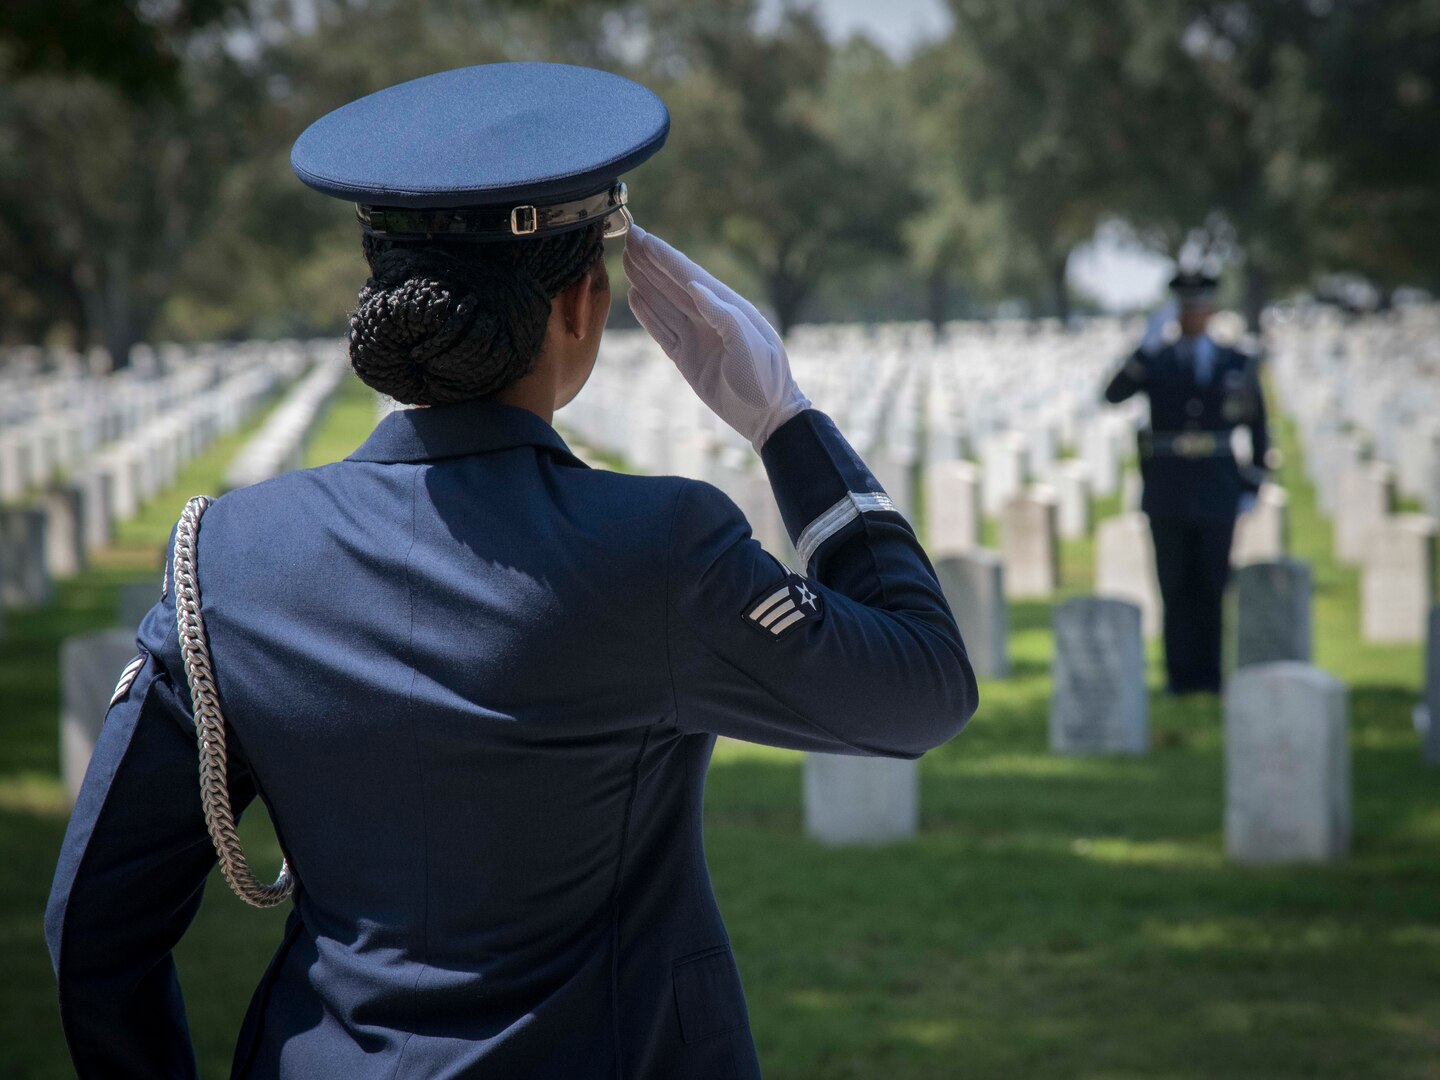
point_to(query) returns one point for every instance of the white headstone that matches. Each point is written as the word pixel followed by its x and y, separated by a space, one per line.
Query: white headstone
pixel 1030 545
pixel 1366 496
pixel 952 505
pixel 1287 765
pixel 1397 580
pixel 136 600
pixel 860 800
pixel 1101 456
pixel 974 585
pixel 64 531
pixel 1263 534
pixel 1125 566
pixel 1003 462
pixel 1072 486
pixel 1272 613
pixel 1132 490
pixel 24 576
pixel 90 665
pixel 1098 704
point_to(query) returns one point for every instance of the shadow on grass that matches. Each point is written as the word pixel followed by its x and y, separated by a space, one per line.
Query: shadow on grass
pixel 1043 895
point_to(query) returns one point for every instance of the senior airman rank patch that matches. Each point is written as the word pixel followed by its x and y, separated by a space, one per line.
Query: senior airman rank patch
pixel 780 609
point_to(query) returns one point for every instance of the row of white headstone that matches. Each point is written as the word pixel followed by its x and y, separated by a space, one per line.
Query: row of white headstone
pixel 279 445
pixel 87 470
pixel 1365 395
pixel 89 662
pixel 1039 394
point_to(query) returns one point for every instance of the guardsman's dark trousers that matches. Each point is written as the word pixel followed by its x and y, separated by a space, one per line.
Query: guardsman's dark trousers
pixel 1192 561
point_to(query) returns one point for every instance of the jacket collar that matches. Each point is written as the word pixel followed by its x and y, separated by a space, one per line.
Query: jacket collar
pixel 446 431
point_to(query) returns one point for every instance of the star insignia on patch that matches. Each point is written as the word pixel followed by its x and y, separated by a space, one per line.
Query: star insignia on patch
pixel 781 608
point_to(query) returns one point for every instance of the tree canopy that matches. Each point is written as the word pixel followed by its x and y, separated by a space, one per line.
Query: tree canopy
pixel 145 188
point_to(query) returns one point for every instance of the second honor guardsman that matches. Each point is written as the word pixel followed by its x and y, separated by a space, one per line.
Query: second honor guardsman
pixel 1194 488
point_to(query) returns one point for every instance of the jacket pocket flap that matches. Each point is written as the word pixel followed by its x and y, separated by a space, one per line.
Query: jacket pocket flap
pixel 708 996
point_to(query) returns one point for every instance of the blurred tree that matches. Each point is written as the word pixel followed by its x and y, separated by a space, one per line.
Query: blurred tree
pixel 1376 67
pixel 102 200
pixel 1028 97
pixel 133 45
pixel 1317 151
pixel 769 153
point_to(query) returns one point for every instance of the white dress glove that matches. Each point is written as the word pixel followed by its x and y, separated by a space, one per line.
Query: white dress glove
pixel 1156 326
pixel 731 357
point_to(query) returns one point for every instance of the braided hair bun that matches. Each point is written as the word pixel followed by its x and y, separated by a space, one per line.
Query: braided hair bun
pixel 441 322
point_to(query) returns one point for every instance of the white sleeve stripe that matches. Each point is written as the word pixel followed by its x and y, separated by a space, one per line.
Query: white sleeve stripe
pixel 779 628
pixel 836 518
pixel 777 611
pixel 774 598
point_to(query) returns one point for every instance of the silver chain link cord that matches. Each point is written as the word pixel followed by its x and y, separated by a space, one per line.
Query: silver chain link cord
pixel 210 724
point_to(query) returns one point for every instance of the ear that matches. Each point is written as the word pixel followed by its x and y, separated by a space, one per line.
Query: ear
pixel 574 304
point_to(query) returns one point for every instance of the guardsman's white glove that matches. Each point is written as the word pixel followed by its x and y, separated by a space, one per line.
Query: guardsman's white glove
pixel 1156 326
pixel 731 357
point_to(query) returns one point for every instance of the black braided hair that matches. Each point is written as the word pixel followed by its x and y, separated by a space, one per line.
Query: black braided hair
pixel 440 322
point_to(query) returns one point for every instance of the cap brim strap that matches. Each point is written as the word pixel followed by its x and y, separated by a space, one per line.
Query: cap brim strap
pixel 497 223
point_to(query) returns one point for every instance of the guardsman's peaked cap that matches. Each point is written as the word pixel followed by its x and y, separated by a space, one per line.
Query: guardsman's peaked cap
pixel 492 152
pixel 1193 287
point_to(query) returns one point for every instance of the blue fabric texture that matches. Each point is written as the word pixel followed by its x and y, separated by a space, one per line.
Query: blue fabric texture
pixel 491 135
pixel 477 686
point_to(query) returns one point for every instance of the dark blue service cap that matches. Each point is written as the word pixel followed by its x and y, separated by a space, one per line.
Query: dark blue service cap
pixel 1191 286
pixel 492 152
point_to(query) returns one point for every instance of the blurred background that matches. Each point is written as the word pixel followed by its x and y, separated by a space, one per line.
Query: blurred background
pixel 956 210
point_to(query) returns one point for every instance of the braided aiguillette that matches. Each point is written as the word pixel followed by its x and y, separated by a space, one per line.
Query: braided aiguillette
pixel 210 724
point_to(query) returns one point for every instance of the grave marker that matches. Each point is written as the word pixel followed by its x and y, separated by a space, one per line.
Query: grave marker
pixel 1287 765
pixel 1099 704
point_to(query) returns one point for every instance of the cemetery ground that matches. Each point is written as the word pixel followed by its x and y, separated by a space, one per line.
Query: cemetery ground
pixel 1056 917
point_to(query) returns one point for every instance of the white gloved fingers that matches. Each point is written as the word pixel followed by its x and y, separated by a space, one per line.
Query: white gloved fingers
pixel 642 282
pixel 724 318
pixel 680 318
pixel 652 255
pixel 749 365
pixel 655 326
pixel 679 268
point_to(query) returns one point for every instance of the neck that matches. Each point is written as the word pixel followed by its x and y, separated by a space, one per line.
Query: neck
pixel 535 393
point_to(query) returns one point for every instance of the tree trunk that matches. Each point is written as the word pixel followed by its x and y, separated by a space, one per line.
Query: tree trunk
pixel 1257 294
pixel 787 297
pixel 112 316
pixel 1059 290
pixel 939 289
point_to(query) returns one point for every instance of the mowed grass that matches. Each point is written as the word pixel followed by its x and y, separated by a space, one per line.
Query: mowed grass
pixel 1054 918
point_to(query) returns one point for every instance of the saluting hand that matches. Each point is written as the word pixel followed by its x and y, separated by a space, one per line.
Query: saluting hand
pixel 731 357
pixel 1156 326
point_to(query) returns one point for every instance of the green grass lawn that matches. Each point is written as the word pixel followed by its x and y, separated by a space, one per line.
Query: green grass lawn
pixel 1055 917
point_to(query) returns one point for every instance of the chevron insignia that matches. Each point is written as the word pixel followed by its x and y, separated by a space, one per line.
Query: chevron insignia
pixel 127 680
pixel 781 608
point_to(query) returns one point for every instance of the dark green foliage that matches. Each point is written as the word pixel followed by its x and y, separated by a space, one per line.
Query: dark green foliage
pixel 829 180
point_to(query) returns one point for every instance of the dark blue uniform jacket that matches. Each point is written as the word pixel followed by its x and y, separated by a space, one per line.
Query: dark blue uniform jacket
pixel 1204 487
pixel 477 685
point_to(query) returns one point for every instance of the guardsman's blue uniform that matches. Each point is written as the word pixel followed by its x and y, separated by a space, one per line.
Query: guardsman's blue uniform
pixel 477 685
pixel 1199 392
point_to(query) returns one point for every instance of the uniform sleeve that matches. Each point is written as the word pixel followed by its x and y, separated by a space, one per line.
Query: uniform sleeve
pixel 1256 474
pixel 857 653
pixel 1129 379
pixel 1259 431
pixel 131 874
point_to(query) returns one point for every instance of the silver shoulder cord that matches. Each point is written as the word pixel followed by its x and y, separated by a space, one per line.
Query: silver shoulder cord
pixel 210 724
